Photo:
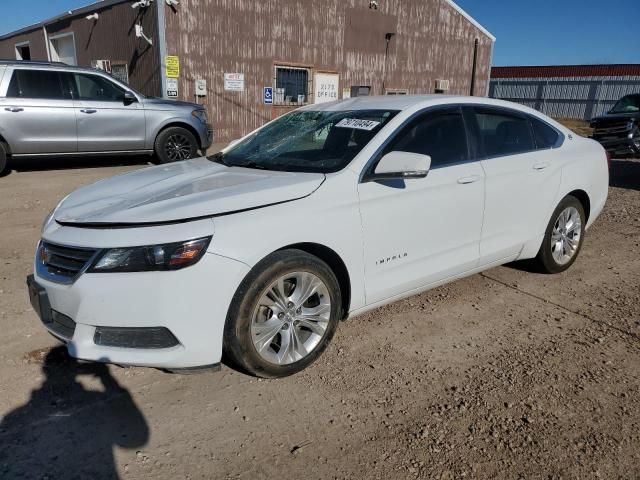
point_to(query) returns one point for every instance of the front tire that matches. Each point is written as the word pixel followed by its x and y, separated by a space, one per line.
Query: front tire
pixel 283 315
pixel 175 144
pixel 563 237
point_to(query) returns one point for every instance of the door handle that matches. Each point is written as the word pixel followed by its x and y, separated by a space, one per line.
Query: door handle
pixel 88 110
pixel 14 109
pixel 541 165
pixel 466 180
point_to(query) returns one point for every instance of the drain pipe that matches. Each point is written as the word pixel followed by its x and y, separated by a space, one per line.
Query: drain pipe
pixel 473 69
pixel 46 42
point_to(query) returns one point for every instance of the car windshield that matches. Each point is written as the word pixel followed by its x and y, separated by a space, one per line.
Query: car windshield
pixel 308 141
pixel 628 104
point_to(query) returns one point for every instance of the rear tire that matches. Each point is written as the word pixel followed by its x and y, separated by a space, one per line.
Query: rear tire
pixel 563 237
pixel 3 157
pixel 175 144
pixel 273 328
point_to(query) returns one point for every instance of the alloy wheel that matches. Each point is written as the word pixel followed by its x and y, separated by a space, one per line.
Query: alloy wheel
pixel 565 237
pixel 291 317
pixel 178 148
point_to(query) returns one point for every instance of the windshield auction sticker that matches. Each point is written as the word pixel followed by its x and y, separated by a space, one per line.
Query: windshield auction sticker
pixel 357 123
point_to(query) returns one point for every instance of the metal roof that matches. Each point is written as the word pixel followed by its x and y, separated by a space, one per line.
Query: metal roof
pixel 107 3
pixel 459 9
pixel 70 13
pixel 614 70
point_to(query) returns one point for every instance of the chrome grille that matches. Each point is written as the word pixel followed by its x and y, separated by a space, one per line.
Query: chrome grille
pixel 62 264
pixel 611 129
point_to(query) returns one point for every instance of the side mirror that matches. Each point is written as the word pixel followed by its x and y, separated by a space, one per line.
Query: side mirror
pixel 402 165
pixel 129 98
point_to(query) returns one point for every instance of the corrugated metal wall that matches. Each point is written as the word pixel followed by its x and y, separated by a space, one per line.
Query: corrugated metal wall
pixel 566 97
pixel 211 37
pixel 36 44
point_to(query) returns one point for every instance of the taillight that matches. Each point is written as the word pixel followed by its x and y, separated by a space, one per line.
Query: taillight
pixel 609 160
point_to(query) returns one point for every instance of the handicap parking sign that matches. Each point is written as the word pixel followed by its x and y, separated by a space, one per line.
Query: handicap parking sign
pixel 268 95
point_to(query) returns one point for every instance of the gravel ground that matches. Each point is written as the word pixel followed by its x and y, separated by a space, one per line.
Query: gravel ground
pixel 506 374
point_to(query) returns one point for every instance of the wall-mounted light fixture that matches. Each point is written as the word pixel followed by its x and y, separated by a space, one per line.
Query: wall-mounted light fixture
pixel 140 34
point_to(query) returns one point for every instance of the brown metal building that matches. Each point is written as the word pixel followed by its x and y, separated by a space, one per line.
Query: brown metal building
pixel 223 53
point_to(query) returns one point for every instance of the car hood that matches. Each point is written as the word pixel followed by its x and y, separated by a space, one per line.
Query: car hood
pixel 180 192
pixel 615 117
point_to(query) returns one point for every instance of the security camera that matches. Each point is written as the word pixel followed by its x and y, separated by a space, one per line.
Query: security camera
pixel 172 3
pixel 142 4
pixel 93 16
pixel 373 4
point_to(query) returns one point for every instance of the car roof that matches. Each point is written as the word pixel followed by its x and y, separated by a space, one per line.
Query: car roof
pixel 405 102
pixel 44 65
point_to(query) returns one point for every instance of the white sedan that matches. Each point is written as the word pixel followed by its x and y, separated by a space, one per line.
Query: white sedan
pixel 322 214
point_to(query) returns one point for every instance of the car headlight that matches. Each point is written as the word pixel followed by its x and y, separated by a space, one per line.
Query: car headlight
pixel 46 220
pixel 201 115
pixel 168 256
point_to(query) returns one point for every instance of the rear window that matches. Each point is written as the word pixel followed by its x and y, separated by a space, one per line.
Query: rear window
pixel 36 84
pixel 545 135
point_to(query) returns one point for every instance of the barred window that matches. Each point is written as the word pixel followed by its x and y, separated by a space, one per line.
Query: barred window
pixel 292 85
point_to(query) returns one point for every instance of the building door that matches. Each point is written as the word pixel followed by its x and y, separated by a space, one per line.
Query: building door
pixel 421 231
pixel 63 49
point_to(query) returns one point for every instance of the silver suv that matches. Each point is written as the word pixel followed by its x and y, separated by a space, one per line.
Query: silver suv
pixel 55 109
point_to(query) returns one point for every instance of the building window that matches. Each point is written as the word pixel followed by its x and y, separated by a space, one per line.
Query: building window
pixel 63 48
pixel 120 72
pixel 396 91
pixel 293 85
pixel 23 51
pixel 360 90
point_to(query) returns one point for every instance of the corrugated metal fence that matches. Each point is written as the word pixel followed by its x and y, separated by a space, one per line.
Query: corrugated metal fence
pixel 565 97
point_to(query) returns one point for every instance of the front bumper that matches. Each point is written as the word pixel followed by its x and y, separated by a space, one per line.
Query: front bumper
pixel 206 136
pixel 191 303
pixel 620 146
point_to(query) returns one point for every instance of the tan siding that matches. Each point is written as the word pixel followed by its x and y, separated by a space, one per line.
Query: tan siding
pixel 36 44
pixel 111 37
pixel 433 41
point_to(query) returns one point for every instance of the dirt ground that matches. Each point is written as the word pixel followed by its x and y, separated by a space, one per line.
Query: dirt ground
pixel 507 374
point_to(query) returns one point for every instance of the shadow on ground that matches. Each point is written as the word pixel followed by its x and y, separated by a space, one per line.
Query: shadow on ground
pixel 67 163
pixel 625 174
pixel 67 430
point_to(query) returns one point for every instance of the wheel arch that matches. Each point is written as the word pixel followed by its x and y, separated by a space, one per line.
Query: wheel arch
pixel 7 145
pixel 583 198
pixel 180 124
pixel 336 264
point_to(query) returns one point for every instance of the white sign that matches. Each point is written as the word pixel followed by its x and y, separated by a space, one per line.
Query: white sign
pixel 201 88
pixel 325 87
pixel 234 82
pixel 357 124
pixel 346 92
pixel 172 87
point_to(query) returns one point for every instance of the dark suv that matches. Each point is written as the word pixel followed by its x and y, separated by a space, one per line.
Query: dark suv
pixel 619 130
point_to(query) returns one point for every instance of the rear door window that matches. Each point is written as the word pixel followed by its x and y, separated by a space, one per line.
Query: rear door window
pixel 43 84
pixel 503 133
pixel 546 136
